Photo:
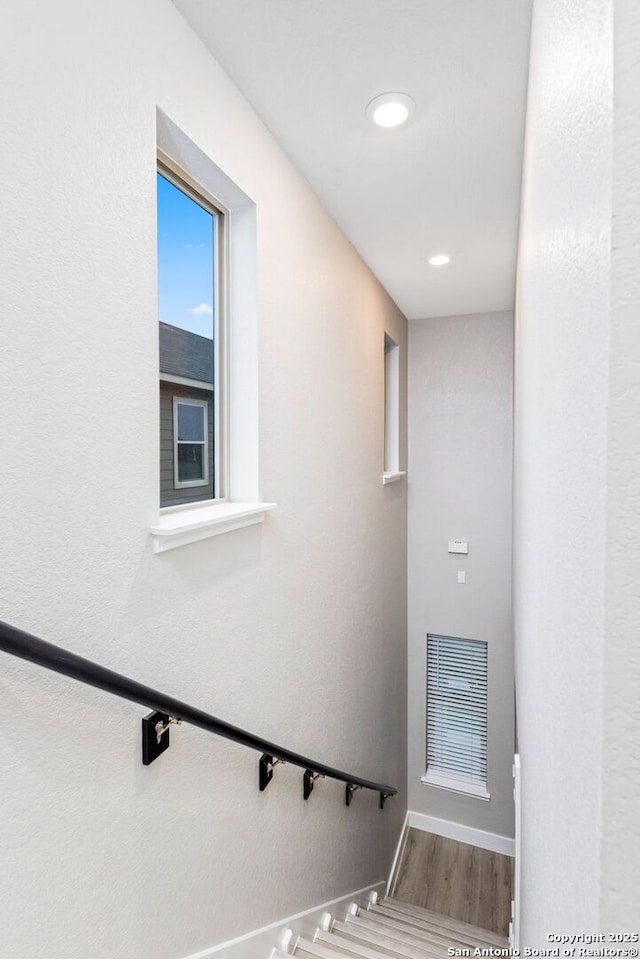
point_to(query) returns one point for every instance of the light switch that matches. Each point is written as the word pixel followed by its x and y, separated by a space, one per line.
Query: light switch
pixel 458 546
pixel 462 576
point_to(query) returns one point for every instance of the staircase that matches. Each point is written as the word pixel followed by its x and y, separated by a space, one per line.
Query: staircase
pixel 386 928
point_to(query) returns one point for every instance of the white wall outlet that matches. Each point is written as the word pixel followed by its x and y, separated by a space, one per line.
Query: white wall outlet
pixel 458 546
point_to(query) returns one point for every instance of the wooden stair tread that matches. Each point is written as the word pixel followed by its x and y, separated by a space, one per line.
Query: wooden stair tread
pixel 351 947
pixel 437 932
pixel 403 934
pixel 318 949
pixel 394 946
pixel 424 917
pixel 428 940
pixel 419 912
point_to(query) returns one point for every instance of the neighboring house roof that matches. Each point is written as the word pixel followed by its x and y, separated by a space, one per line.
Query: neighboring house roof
pixel 185 354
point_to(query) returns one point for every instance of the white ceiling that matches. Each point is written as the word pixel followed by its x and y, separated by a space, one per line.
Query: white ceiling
pixel 447 181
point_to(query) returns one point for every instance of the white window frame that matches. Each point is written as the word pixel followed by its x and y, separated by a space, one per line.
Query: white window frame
pixel 243 505
pixel 177 442
pixel 441 776
pixel 194 191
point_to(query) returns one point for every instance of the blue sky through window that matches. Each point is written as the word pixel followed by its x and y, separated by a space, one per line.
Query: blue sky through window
pixel 186 237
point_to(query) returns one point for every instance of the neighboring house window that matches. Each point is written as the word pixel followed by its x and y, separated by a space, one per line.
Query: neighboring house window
pixel 190 429
pixel 189 248
pixel 457 715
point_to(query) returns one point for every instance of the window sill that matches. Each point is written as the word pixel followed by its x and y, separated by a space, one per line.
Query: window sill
pixel 189 525
pixel 451 784
pixel 392 477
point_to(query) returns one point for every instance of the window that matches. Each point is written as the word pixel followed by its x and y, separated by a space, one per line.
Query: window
pixel 190 234
pixel 200 361
pixel 457 715
pixel 191 447
pixel 392 471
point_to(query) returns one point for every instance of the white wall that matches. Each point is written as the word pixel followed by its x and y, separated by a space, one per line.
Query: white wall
pixel 460 411
pixel 562 342
pixel 294 630
pixel 620 861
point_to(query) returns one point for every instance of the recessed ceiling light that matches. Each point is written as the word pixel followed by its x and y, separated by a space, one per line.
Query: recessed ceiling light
pixel 390 110
pixel 440 259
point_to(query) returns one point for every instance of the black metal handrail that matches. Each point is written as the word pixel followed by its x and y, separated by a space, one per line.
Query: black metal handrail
pixel 168 710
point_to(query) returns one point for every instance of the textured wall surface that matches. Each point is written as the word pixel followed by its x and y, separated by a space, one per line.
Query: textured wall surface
pixel 621 756
pixel 295 629
pixel 562 330
pixel 460 413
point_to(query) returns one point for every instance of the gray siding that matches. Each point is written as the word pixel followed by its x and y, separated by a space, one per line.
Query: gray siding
pixel 169 495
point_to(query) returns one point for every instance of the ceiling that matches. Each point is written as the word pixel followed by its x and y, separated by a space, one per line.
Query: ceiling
pixel 448 181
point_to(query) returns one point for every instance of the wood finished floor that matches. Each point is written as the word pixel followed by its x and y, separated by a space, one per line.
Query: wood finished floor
pixel 455 879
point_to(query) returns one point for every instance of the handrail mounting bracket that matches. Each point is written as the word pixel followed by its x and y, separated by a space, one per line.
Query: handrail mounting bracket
pixel 155 735
pixel 351 788
pixel 266 766
pixel 308 780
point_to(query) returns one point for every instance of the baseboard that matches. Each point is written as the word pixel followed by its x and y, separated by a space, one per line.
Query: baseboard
pixel 454 830
pixel 262 941
pixel 517 883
